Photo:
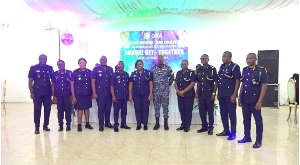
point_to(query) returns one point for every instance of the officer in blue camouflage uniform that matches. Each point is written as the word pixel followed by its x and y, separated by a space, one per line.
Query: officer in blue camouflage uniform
pixel 228 87
pixel 119 90
pixel 253 88
pixel 140 91
pixel 206 91
pixel 101 92
pixel 39 83
pixel 61 93
pixel 184 85
pixel 163 78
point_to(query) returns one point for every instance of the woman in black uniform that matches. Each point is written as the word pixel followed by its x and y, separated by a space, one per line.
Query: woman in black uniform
pixel 82 92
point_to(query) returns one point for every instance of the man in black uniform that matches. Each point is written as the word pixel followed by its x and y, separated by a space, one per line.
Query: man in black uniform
pixel 39 84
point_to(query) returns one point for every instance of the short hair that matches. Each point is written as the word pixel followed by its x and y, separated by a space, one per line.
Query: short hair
pixel 252 54
pixel 137 62
pixel 60 61
pixel 230 54
pixel 82 59
pixel 186 61
pixel 121 61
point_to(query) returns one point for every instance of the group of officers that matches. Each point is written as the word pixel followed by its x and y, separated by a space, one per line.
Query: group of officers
pixel 79 87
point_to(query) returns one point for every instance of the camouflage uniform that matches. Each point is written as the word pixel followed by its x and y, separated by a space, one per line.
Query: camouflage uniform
pixel 163 78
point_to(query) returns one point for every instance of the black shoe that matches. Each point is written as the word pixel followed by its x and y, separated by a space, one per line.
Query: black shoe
pixel 88 126
pixel 68 128
pixel 224 133
pixel 202 130
pixel 79 129
pixel 257 145
pixel 60 129
pixel 108 125
pixel 145 127
pixel 37 131
pixel 101 128
pixel 180 128
pixel 45 128
pixel 210 132
pixel 156 126
pixel 138 127
pixel 166 127
pixel 125 127
pixel 187 129
pixel 116 129
pixel 231 137
pixel 245 140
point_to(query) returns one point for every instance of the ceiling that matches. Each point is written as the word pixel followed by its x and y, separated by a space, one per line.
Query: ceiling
pixel 94 9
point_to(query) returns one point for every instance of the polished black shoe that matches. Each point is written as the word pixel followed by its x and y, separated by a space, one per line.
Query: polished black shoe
pixel 231 137
pixel 109 125
pixel 156 126
pixel 138 127
pixel 224 133
pixel 180 128
pixel 257 145
pixel 60 129
pixel 37 131
pixel 101 128
pixel 79 129
pixel 245 140
pixel 45 128
pixel 88 126
pixel 68 128
pixel 210 132
pixel 166 127
pixel 145 127
pixel 186 129
pixel 116 129
pixel 125 127
pixel 202 130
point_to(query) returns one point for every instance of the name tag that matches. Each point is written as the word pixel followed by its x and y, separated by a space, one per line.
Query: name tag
pixel 38 71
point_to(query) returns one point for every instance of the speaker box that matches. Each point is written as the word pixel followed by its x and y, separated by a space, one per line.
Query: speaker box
pixel 270 60
pixel 271 98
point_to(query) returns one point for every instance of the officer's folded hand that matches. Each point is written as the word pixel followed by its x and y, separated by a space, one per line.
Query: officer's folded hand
pixel 54 99
pixel 149 97
pixel 32 96
pixel 74 100
pixel 232 98
pixel 196 96
pixel 240 103
pixel 180 93
pixel 258 105
pixel 212 97
pixel 130 98
pixel 94 96
pixel 114 99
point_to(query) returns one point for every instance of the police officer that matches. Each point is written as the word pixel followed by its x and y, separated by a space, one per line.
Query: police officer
pixel 228 87
pixel 61 92
pixel 39 83
pixel 119 91
pixel 101 92
pixel 163 78
pixel 206 91
pixel 140 90
pixel 82 92
pixel 253 89
pixel 184 85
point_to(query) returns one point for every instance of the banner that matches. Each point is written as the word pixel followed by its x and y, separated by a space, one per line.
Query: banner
pixel 147 45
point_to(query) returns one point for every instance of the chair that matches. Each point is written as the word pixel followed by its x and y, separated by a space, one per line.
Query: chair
pixel 291 90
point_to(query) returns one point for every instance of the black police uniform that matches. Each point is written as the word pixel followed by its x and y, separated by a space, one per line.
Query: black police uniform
pixel 252 78
pixel 120 83
pixel 141 91
pixel 82 88
pixel 206 77
pixel 41 76
pixel 62 92
pixel 102 85
pixel 186 103
pixel 228 76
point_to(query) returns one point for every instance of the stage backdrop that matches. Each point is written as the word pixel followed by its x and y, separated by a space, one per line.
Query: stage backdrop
pixel 147 45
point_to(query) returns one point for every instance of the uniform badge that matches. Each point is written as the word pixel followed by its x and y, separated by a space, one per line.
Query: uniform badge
pixel 38 76
pixel 119 81
pixel 56 77
pixel 100 74
pixel 38 71
pixel 118 76
pixel 253 81
pixel 79 77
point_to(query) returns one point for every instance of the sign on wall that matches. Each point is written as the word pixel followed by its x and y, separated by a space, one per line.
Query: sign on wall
pixel 147 45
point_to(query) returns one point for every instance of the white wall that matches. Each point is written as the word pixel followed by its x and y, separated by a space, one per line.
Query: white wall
pixel 213 34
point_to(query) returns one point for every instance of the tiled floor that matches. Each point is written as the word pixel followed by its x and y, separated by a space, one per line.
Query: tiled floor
pixel 19 144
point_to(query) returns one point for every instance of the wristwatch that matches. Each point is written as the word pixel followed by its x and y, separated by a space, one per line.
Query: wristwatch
pixel 214 94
